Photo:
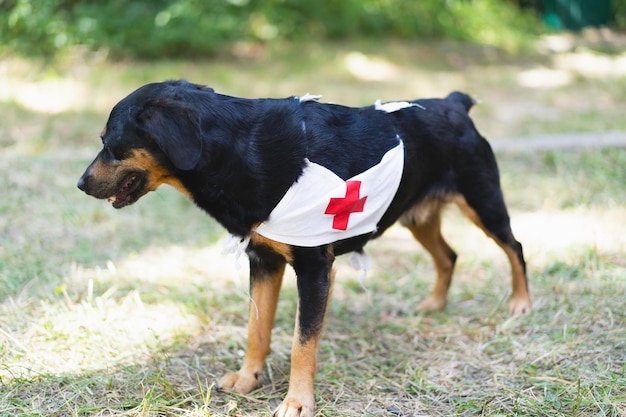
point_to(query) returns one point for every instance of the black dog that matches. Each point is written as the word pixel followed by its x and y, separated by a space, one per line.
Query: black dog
pixel 301 182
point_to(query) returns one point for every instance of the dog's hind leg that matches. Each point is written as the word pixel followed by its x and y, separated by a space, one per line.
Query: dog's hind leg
pixel 493 219
pixel 478 194
pixel 424 222
pixel 481 200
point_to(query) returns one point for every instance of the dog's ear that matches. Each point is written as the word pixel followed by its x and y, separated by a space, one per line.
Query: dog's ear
pixel 175 127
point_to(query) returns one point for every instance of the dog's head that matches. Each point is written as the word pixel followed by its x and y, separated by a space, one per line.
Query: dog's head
pixel 151 136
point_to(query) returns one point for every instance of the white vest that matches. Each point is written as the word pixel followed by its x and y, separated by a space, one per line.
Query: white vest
pixel 321 208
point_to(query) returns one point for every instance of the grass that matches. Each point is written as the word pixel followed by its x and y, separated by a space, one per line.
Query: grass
pixel 137 313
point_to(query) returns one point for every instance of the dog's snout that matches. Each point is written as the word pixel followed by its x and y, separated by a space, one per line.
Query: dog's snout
pixel 82 183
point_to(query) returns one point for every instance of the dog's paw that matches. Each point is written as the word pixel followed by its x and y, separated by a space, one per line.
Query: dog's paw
pixel 239 382
pixel 519 306
pixel 431 304
pixel 292 407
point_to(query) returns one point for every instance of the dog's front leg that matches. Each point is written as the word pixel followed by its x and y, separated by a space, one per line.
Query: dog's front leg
pixel 266 276
pixel 313 267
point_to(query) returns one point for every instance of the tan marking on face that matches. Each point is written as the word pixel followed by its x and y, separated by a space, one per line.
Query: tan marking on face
pixel 103 172
pixel 142 160
pixel 104 131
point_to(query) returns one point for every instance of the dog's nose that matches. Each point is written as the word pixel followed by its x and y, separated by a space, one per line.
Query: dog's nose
pixel 82 183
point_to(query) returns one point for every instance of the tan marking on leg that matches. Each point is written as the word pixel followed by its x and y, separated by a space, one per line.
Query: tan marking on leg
pixel 264 292
pixel 300 399
pixel 429 235
pixel 519 303
pixel 469 212
pixel 282 249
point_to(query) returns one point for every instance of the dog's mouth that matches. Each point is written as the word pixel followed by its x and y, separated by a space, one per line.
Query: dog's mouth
pixel 128 192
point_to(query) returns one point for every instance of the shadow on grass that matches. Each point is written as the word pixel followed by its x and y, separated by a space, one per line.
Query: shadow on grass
pixel 157 341
pixel 132 357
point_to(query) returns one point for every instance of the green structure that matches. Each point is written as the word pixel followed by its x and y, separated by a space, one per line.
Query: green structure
pixel 576 14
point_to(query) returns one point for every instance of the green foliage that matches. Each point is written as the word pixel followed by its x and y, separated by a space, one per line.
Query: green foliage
pixel 189 28
pixel 29 27
pixel 619 14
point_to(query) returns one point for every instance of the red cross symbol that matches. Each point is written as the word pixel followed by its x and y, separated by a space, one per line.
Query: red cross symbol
pixel 342 207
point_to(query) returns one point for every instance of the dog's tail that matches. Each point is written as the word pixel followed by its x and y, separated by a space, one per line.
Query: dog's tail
pixel 461 98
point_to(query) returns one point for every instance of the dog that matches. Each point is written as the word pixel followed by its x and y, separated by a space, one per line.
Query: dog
pixel 298 182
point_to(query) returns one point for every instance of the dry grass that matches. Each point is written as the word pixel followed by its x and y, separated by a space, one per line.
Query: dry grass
pixel 151 334
pixel 137 312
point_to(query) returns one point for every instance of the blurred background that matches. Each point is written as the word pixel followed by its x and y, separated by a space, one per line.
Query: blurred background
pixel 106 312
pixel 83 56
pixel 199 29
